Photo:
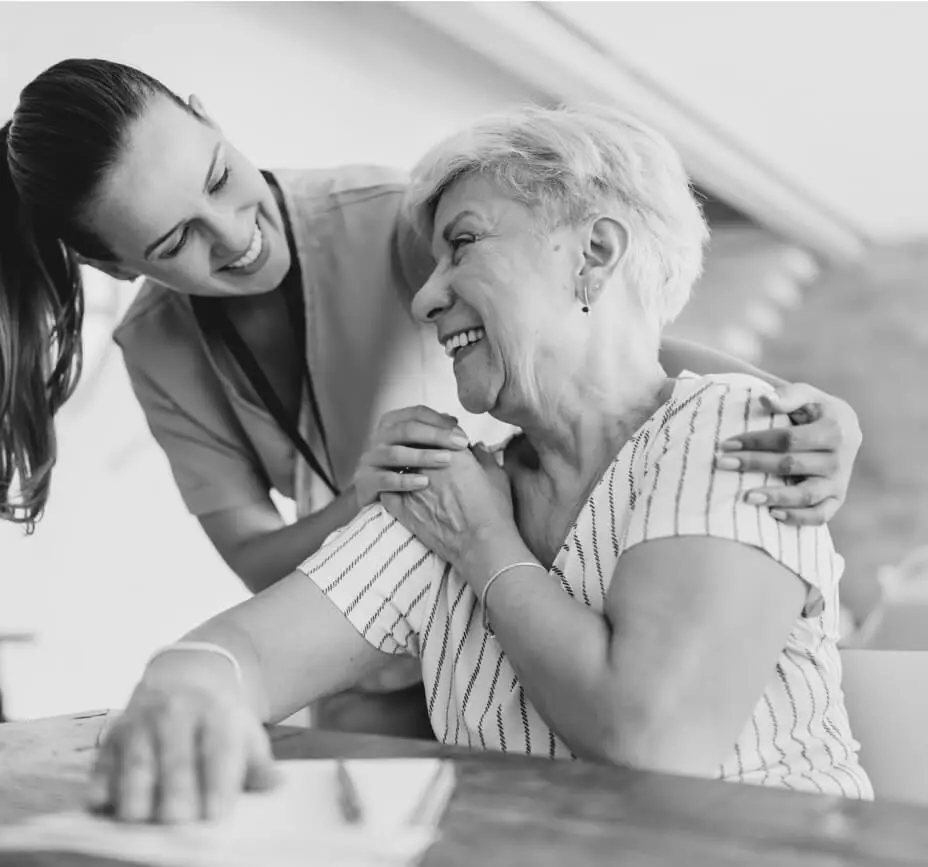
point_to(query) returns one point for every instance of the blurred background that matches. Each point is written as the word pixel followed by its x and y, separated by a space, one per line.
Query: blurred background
pixel 803 125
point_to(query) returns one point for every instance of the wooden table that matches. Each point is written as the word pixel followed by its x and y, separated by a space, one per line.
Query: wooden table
pixel 511 810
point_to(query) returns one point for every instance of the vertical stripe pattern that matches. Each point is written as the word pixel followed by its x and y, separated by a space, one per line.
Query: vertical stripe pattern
pixel 663 483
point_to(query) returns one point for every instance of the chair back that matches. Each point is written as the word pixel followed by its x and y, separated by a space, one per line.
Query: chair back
pixel 886 693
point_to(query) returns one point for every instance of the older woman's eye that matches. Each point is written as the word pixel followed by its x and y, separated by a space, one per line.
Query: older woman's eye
pixel 458 243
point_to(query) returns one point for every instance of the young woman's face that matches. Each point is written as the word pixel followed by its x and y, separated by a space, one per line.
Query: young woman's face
pixel 185 208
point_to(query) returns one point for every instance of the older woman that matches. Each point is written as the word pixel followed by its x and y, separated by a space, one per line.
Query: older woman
pixel 595 588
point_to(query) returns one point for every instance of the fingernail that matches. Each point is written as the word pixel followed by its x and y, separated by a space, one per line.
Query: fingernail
pixel 419 481
pixel 755 498
pixel 727 463
pixel 460 440
pixel 732 446
pixel 442 457
pixel 778 515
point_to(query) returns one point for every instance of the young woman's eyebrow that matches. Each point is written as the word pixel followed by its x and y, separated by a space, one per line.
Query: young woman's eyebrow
pixel 154 245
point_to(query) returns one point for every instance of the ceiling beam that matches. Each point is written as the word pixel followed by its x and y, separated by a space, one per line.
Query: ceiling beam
pixel 533 43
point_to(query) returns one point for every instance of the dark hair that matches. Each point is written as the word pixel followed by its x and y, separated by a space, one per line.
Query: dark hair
pixel 66 133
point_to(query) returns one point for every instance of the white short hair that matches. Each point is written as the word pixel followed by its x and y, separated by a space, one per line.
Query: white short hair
pixel 568 163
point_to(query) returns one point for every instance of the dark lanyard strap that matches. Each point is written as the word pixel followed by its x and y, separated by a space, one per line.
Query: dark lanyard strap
pixel 211 311
pixel 259 381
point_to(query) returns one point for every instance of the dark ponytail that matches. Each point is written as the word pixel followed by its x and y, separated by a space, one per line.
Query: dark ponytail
pixel 41 309
pixel 66 132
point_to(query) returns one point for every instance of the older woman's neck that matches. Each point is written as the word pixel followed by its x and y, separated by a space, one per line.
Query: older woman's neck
pixel 584 425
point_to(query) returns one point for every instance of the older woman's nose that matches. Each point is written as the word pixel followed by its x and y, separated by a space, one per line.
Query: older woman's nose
pixel 433 298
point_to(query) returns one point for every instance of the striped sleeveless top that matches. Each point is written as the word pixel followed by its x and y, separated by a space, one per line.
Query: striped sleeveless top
pixel 405 600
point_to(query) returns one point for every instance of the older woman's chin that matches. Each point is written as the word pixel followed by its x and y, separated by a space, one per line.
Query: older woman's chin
pixel 476 400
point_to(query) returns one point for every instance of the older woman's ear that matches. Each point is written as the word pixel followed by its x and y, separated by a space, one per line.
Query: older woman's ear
pixel 604 248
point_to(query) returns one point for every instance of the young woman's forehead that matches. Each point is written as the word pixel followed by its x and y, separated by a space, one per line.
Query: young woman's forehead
pixel 161 172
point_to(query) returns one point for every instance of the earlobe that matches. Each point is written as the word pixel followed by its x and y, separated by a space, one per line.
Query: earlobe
pixel 606 243
pixel 111 269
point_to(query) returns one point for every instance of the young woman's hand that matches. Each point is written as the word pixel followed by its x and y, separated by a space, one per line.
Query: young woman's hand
pixel 406 442
pixel 817 452
pixel 463 505
pixel 180 752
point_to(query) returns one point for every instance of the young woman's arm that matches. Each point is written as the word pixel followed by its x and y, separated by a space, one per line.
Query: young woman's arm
pixel 678 355
pixel 261 548
pixel 816 453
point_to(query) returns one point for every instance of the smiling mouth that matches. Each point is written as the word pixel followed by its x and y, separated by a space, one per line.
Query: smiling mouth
pixel 250 256
pixel 460 341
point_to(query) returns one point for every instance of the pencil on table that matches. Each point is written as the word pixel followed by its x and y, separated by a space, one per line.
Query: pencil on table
pixel 349 801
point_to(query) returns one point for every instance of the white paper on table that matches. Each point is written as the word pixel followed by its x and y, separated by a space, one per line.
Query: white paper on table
pixel 298 822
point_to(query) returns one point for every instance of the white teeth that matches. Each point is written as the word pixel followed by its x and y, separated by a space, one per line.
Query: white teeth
pixel 252 253
pixel 464 338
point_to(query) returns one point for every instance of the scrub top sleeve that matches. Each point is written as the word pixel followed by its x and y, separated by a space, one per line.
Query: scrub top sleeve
pixel 212 467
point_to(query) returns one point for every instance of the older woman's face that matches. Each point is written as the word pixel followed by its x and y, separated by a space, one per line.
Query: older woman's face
pixel 499 295
pixel 184 207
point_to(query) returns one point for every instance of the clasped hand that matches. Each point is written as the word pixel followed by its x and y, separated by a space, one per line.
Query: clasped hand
pixel 463 504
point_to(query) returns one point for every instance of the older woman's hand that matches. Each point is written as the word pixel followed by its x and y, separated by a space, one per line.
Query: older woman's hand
pixel 178 753
pixel 462 504
pixel 405 443
pixel 817 451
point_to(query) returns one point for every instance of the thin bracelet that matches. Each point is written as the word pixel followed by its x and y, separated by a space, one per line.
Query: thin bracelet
pixel 201 647
pixel 489 584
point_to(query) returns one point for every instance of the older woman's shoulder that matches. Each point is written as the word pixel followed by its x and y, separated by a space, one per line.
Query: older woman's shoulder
pixel 713 407
pixel 727 389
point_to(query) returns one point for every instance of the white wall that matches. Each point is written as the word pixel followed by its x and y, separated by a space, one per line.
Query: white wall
pixel 830 95
pixel 292 83
pixel 117 567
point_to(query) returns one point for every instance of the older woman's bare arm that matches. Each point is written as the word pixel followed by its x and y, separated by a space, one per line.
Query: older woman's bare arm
pixel 294 646
pixel 696 625
pixel 667 676
pixel 190 716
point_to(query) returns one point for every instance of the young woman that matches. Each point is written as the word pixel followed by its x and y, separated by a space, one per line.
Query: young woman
pixel 271 346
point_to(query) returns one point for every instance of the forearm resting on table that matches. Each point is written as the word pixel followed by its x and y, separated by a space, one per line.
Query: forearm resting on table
pixel 208 670
pixel 678 355
pixel 261 549
pixel 292 644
